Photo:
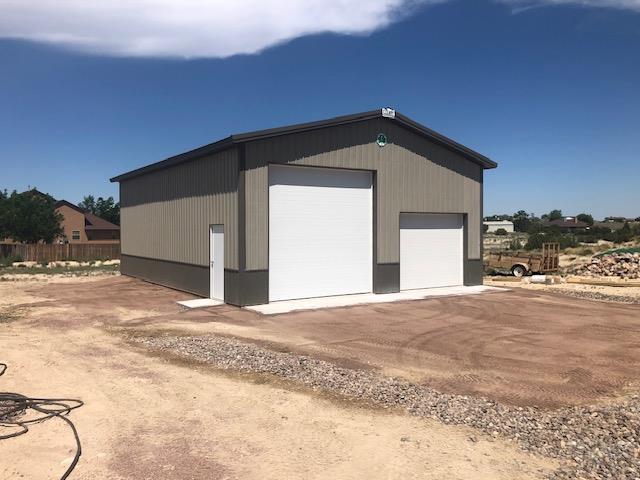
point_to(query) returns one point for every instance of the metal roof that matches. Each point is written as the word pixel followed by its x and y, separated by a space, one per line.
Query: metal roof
pixel 235 139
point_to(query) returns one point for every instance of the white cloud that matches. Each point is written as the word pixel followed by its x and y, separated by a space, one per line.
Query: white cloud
pixel 620 4
pixel 211 28
pixel 191 28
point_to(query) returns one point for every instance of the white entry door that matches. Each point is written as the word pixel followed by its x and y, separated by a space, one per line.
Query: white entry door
pixel 320 232
pixel 431 250
pixel 216 262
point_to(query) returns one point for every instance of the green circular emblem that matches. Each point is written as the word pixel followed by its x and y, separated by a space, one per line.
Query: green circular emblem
pixel 381 140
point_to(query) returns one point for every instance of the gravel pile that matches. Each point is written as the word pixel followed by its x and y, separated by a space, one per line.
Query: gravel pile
pixel 600 296
pixel 594 442
pixel 623 265
pixel 595 295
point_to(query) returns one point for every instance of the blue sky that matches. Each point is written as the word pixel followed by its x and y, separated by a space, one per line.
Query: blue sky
pixel 551 93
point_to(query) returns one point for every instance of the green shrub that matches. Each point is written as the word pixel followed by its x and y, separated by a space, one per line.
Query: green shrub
pixel 535 241
pixel 515 245
pixel 589 238
pixel 624 234
pixel 566 240
pixel 7 261
pixel 501 231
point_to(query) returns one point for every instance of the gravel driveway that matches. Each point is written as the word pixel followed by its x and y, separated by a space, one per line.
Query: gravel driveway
pixel 594 442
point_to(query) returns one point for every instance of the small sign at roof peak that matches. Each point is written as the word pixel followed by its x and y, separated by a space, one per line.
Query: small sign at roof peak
pixel 388 112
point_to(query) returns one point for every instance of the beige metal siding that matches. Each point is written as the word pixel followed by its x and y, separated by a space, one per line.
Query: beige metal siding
pixel 413 175
pixel 166 214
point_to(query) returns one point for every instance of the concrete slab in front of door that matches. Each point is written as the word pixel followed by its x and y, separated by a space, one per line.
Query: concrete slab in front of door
pixel 200 303
pixel 287 306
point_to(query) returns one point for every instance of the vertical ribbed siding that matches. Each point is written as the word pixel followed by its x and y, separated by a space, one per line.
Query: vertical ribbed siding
pixel 414 175
pixel 166 214
pixel 257 216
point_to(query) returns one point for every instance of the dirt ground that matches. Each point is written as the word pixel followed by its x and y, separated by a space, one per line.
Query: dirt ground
pixel 520 347
pixel 146 417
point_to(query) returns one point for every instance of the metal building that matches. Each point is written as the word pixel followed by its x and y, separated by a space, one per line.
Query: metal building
pixel 370 202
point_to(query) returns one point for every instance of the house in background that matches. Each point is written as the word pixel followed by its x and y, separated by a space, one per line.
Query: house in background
pixel 493 225
pixel 619 219
pixel 616 223
pixel 568 223
pixel 82 227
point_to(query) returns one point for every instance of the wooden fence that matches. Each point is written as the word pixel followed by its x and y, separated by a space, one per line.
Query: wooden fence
pixel 41 252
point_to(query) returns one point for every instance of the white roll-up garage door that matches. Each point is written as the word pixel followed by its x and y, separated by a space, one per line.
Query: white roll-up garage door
pixel 431 250
pixel 320 232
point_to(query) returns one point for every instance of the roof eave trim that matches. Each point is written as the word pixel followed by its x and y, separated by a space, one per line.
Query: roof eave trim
pixel 177 159
pixel 66 203
pixel 305 127
pixel 232 140
pixel 466 152
pixel 399 118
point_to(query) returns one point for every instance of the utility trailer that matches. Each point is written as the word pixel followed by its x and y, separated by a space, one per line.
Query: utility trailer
pixel 522 263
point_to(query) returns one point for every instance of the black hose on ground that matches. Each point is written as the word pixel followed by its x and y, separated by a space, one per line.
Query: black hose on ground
pixel 14 407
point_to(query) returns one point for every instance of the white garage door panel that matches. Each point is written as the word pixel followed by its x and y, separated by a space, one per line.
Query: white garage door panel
pixel 431 250
pixel 320 232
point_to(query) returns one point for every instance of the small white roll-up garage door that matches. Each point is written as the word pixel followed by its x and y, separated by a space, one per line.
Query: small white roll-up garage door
pixel 320 232
pixel 431 250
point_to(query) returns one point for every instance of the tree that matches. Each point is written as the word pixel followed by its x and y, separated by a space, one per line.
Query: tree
pixel 88 204
pixel 108 209
pixel 624 234
pixel 30 217
pixel 4 220
pixel 565 240
pixel 553 215
pixel 586 218
pixel 521 221
pixel 535 241
pixel 103 208
pixel 536 227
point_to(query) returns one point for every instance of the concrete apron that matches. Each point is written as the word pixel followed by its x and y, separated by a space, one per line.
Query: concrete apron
pixel 200 303
pixel 287 306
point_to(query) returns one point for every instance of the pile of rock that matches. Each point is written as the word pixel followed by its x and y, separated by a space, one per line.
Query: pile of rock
pixel 623 265
pixel 66 264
